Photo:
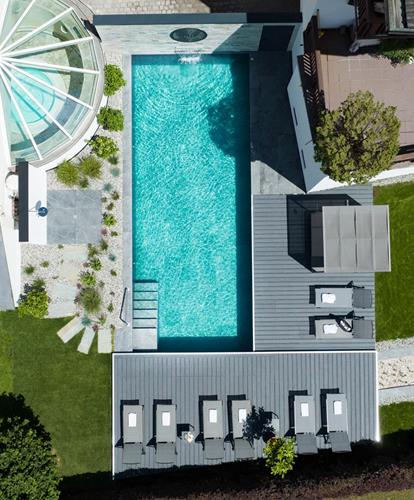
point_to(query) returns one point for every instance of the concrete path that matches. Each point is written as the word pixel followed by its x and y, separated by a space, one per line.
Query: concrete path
pixel 6 297
pixel 396 395
pixel 70 329
pixel 87 339
pixel 104 341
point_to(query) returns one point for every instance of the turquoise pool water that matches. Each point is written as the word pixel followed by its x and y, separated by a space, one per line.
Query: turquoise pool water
pixel 191 185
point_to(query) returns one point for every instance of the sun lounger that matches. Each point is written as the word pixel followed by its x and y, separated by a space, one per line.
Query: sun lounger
pixel 363 328
pixel 240 411
pixel 337 422
pixel 329 328
pixel 343 297
pixel 213 430
pixel 305 425
pixel 132 419
pixel 166 433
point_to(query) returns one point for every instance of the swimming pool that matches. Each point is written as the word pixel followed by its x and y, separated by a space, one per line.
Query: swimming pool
pixel 191 192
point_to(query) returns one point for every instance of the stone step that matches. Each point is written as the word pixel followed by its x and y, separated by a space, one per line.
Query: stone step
pixel 145 295
pixel 104 340
pixel 145 313
pixel 145 304
pixel 144 339
pixel 145 323
pixel 87 339
pixel 145 286
pixel 70 329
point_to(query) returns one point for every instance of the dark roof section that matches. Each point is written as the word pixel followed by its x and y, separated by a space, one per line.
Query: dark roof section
pixel 268 380
pixel 23 172
pixel 283 282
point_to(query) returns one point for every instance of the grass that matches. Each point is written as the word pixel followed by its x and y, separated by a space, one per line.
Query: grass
pixel 386 495
pixel 71 392
pixel 395 290
pixel 397 417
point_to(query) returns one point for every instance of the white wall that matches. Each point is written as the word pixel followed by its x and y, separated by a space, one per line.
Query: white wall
pixel 335 13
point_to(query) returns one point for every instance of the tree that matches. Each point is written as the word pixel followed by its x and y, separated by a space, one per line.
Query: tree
pixel 114 79
pixel 28 468
pixel 358 140
pixel 280 456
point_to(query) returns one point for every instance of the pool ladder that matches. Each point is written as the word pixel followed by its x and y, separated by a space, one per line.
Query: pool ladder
pixel 145 315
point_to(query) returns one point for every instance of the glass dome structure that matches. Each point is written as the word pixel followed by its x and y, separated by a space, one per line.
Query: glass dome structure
pixel 50 77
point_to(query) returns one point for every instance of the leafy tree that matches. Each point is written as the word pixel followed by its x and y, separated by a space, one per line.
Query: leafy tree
pixel 280 456
pixel 34 301
pixel 28 468
pixel 358 140
pixel 111 119
pixel 68 173
pixel 104 147
pixel 90 166
pixel 114 79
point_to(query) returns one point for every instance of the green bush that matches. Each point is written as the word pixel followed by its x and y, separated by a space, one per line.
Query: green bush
pixel 90 299
pixel 110 307
pixel 93 251
pixel 29 269
pixel 398 51
pixel 115 171
pixel 28 468
pixel 107 187
pixel 104 147
pixel 110 206
pixel 111 119
pixel 358 140
pixel 88 279
pixel 84 183
pixel 114 79
pixel 34 301
pixel 103 245
pixel 113 272
pixel 68 173
pixel 45 263
pixel 96 264
pixel 109 220
pixel 90 166
pixel 114 233
pixel 115 195
pixel 113 160
pixel 280 456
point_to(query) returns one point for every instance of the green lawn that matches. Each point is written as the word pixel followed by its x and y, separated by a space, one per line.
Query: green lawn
pixel 71 392
pixel 397 417
pixel 395 290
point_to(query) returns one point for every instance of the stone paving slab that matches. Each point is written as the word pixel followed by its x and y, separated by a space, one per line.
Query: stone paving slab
pixel 6 297
pixel 70 329
pixel 87 339
pixel 104 341
pixel 61 309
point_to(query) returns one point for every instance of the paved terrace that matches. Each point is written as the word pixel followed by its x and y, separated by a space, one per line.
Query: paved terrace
pixel 283 282
pixel 269 380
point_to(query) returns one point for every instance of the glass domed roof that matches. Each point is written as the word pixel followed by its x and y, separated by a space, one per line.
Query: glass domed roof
pixel 50 78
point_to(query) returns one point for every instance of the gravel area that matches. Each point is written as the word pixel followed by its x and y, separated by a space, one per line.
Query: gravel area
pixel 395 344
pixel 396 372
pixel 395 180
pixel 65 263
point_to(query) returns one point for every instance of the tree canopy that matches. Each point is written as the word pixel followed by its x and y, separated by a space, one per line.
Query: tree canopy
pixel 358 140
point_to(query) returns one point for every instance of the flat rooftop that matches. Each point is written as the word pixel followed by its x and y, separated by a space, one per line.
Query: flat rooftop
pixel 268 380
pixel 283 282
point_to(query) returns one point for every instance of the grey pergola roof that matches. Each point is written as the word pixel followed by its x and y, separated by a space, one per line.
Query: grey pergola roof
pixel 356 238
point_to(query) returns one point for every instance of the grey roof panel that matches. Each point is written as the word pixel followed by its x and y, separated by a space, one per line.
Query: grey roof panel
pixel 283 284
pixel 268 380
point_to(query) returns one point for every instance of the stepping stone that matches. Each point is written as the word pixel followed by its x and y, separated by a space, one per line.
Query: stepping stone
pixel 123 340
pixel 87 339
pixel 61 309
pixel 104 341
pixel 70 329
pixel 64 291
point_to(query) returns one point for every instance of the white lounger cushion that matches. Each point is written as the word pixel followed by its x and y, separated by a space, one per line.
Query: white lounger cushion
pixel 242 415
pixel 212 416
pixel 132 419
pixel 337 407
pixel 166 418
pixel 330 329
pixel 304 409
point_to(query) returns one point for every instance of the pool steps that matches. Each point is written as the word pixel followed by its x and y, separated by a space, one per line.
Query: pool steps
pixel 145 315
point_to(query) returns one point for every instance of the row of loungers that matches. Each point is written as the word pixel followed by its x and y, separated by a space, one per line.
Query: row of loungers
pixel 166 431
pixel 336 423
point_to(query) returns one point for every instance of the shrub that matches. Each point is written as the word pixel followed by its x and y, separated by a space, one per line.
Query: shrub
pixel 90 166
pixel 113 272
pixel 84 183
pixel 113 160
pixel 29 269
pixel 110 308
pixel 60 246
pixel 112 257
pixel 90 299
pixel 68 173
pixel 397 50
pixel 96 264
pixel 358 140
pixel 28 468
pixel 115 195
pixel 107 187
pixel 109 220
pixel 88 279
pixel 45 263
pixel 114 79
pixel 111 119
pixel 34 301
pixel 102 319
pixel 280 456
pixel 104 245
pixel 114 233
pixel 115 172
pixel 93 251
pixel 104 147
pixel 110 207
